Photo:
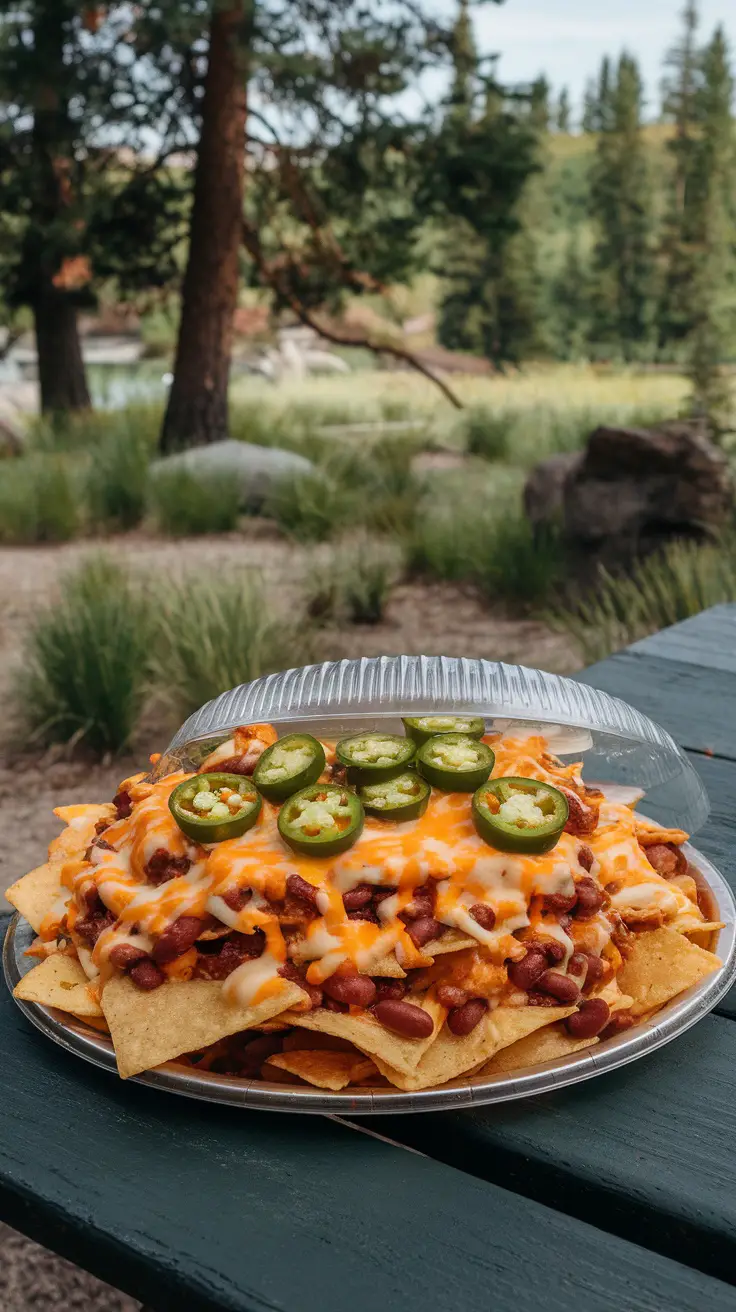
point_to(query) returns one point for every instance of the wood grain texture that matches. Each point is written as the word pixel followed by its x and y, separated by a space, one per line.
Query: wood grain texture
pixel 707 640
pixel 192 1206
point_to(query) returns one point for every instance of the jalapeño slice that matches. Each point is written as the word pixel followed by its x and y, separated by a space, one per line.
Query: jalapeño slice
pixel 404 797
pixel 455 762
pixel 292 763
pixel 519 815
pixel 374 756
pixel 321 820
pixel 422 727
pixel 212 807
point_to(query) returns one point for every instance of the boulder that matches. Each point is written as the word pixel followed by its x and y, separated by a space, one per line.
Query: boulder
pixel 256 469
pixel 631 489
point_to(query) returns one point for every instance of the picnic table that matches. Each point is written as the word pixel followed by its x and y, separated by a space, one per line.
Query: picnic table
pixel 619 1192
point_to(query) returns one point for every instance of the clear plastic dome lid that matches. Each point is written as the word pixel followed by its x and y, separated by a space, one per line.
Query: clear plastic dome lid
pixel 617 745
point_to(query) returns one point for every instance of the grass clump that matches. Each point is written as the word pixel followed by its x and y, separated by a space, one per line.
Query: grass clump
pixel 39 500
pixel 677 582
pixel 185 505
pixel 86 660
pixel 117 481
pixel 486 432
pixel 351 582
pixel 220 632
pixel 311 507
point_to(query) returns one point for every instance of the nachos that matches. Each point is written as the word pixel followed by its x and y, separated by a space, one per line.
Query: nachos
pixel 388 909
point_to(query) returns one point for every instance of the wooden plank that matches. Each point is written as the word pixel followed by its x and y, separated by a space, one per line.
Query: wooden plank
pixel 707 640
pixel 718 838
pixel 187 1205
pixel 696 706
pixel 645 1152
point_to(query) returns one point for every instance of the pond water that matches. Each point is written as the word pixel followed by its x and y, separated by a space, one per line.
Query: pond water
pixel 115 385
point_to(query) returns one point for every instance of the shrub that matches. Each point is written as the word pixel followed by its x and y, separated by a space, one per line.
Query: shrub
pixel 668 587
pixel 86 660
pixel 39 500
pixel 117 480
pixel 312 507
pixel 220 632
pixel 487 433
pixel 185 505
pixel 351 582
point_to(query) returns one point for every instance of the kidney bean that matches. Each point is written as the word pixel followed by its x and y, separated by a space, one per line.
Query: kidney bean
pixel 237 898
pixel 356 990
pixel 423 930
pixel 421 905
pixel 381 893
pixel 162 867
pixel 525 972
pixel 357 897
pixel 619 1022
pixel 124 955
pixel 387 989
pixel 123 804
pixel 536 999
pixel 405 1019
pixel 332 1004
pixel 252 1055
pixel 298 975
pixel 590 898
pixel 562 987
pixel 565 923
pixel 553 950
pixel 591 1017
pixel 582 819
pixel 596 969
pixel 91 926
pixel 483 915
pixel 560 902
pixel 177 939
pixel 299 887
pixel 146 975
pixel 451 996
pixel 586 857
pixel 667 859
pixel 364 913
pixel 578 965
pixel 462 1020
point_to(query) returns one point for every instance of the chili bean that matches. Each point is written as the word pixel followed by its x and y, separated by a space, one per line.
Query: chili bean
pixel 357 897
pixel 298 975
pixel 332 1004
pixel 421 905
pixel 451 996
pixel 667 859
pixel 299 887
pixel 483 915
pixel 536 999
pixel 252 1055
pixel 562 987
pixel 237 898
pixel 524 973
pixel 381 893
pixel 356 990
pixel 364 913
pixel 590 898
pixel 619 1022
pixel 585 857
pixel 565 923
pixel 162 867
pixel 176 940
pixel 146 975
pixel 389 989
pixel 462 1020
pixel 582 819
pixel 123 804
pixel 124 955
pixel 423 930
pixel 591 1017
pixel 596 969
pixel 405 1019
pixel 553 950
pixel 578 965
pixel 559 901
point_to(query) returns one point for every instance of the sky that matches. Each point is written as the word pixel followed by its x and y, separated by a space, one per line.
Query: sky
pixel 566 39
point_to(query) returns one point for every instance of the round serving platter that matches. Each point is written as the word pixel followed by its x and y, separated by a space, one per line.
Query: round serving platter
pixel 685 1010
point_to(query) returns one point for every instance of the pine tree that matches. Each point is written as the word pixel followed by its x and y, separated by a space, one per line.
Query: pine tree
pixel 604 105
pixel 539 104
pixel 464 64
pixel 621 203
pixel 563 111
pixel 679 107
pixel 589 121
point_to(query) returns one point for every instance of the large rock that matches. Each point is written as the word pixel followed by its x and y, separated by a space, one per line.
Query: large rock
pixel 256 469
pixel 630 489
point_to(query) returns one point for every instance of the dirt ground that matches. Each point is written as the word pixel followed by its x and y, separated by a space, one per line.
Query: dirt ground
pixel 433 619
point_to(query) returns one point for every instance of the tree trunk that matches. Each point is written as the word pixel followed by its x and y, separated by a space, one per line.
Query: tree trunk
pixel 197 410
pixel 61 375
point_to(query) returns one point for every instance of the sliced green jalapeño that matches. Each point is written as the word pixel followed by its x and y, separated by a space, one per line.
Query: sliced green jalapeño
pixel 212 807
pixel 404 797
pixel 422 727
pixel 290 764
pixel 374 756
pixel 455 762
pixel 520 815
pixel 321 820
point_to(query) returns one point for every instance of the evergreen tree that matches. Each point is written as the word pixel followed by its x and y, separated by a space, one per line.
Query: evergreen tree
pixel 563 111
pixel 539 104
pixel 589 121
pixel 604 105
pixel 464 64
pixel 679 106
pixel 621 203
pixel 571 302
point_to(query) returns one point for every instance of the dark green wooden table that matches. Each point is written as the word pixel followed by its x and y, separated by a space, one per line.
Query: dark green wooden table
pixel 617 1194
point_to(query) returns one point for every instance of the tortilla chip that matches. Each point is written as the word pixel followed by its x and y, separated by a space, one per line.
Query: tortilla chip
pixel 59 981
pixel 386 967
pixel 648 833
pixel 450 1056
pixel 328 1070
pixel 452 941
pixel 303 1039
pixel 80 830
pixel 35 894
pixel 661 964
pixel 150 1028
pixel 548 1044
pixel 371 1037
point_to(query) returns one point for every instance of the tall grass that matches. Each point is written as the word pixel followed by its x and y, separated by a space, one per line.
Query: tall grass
pixel 40 500
pixel 185 505
pixel 668 587
pixel 117 481
pixel 350 583
pixel 86 660
pixel 216 633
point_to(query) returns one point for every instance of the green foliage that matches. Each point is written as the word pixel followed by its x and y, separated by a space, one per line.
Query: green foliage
pixel 680 581
pixel 187 505
pixel 351 582
pixel 39 500
pixel 219 632
pixel 86 660
pixel 311 507
pixel 486 433
pixel 117 481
